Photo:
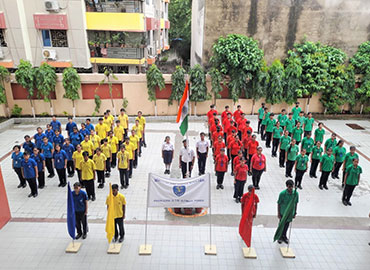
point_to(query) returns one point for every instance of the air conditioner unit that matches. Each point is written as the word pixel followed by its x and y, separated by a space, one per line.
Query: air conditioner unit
pixel 2 53
pixel 52 5
pixel 49 54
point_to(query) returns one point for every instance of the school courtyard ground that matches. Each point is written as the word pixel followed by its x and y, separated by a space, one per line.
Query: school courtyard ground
pixel 325 235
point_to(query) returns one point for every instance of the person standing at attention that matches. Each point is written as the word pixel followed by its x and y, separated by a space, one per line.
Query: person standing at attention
pixel 89 126
pixel 258 166
pixel 331 142
pixel 261 112
pixel 40 160
pixel 95 139
pixel 290 157
pixel 87 146
pixel 326 167
pixel 284 144
pixel 76 137
pixel 221 161
pixel 130 149
pixel 296 110
pixel 99 159
pixel 282 118
pixel 300 168
pixel 135 140
pixel 70 125
pixel 167 154
pixel 290 124
pixel 106 150
pixel 39 138
pixel 308 124
pixel 245 200
pixel 58 138
pixel 139 132
pixel 60 165
pixel 251 150
pixel 237 114
pixel 351 180
pixel 270 123
pixel 119 132
pixel 80 201
pixel 17 157
pixel 308 143
pixel 50 134
pixel 123 119
pixel 69 149
pixel 88 175
pixel 319 133
pixel 30 173
pixel 55 124
pixel 297 133
pixel 113 141
pixel 277 132
pixel 315 158
pixel 241 171
pixel 348 160
pixel 120 210
pixel 102 129
pixel 186 160
pixel 28 145
pixel 142 122
pixel 340 154
pixel 235 147
pixel 123 166
pixel 202 147
pixel 47 149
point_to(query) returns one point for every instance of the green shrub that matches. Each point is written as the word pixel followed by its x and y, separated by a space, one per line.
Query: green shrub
pixel 16 111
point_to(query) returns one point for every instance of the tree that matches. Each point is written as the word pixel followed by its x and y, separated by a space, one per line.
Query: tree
pixel 275 87
pixel 178 84
pixel 257 88
pixel 4 76
pixel 292 78
pixel 216 79
pixel 154 79
pixel 198 87
pixel 45 80
pixel 25 76
pixel 108 76
pixel 71 84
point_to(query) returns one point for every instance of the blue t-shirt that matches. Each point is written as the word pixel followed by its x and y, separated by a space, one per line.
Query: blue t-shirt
pixel 76 138
pixel 69 149
pixel 90 127
pixel 59 159
pixel 84 132
pixel 79 200
pixel 38 139
pixel 29 168
pixel 50 135
pixel 28 147
pixel 46 149
pixel 17 159
pixel 56 125
pixel 39 160
pixel 59 140
pixel 69 127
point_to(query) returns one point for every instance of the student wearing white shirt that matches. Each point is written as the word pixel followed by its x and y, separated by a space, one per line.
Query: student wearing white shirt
pixel 186 160
pixel 202 153
pixel 167 154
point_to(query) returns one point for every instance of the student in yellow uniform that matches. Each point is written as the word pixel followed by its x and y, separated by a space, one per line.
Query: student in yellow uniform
pixel 101 129
pixel 77 158
pixel 123 166
pixel 119 132
pixel 113 141
pixel 87 146
pixel 111 117
pixel 119 202
pixel 142 122
pixel 130 149
pixel 88 175
pixel 123 118
pixel 139 132
pixel 95 139
pixel 107 151
pixel 107 121
pixel 134 139
pixel 99 160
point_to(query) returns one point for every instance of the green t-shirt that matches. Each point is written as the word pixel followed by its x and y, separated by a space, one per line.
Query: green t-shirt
pixel 277 132
pixel 339 153
pixel 327 163
pixel 296 112
pixel 266 117
pixel 292 152
pixel 282 119
pixel 308 124
pixel 349 159
pixel 308 144
pixel 301 162
pixel 284 142
pixel 270 123
pixel 297 134
pixel 289 124
pixel 352 175
pixel 301 119
pixel 316 152
pixel 261 112
pixel 285 198
pixel 330 144
pixel 319 135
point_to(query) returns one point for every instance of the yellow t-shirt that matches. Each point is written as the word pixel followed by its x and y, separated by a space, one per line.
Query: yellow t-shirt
pixel 99 161
pixel 123 158
pixel 130 147
pixel 77 157
pixel 106 149
pixel 134 140
pixel 95 141
pixel 118 132
pixel 108 122
pixel 123 120
pixel 87 169
pixel 111 118
pixel 113 143
pixel 87 146
pixel 101 130
pixel 139 130
pixel 142 120
pixel 119 200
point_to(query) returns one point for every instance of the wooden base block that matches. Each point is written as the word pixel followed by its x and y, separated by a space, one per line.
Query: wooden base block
pixel 287 252
pixel 73 247
pixel 210 250
pixel 114 248
pixel 249 253
pixel 145 250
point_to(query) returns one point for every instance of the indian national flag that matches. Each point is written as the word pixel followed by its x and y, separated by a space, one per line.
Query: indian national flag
pixel 182 115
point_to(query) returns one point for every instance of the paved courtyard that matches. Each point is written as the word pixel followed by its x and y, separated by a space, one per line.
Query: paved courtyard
pixel 326 234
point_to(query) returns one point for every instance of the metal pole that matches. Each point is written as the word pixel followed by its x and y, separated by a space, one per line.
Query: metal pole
pixel 210 211
pixel 73 242
pixel 146 215
pixel 187 152
pixel 290 232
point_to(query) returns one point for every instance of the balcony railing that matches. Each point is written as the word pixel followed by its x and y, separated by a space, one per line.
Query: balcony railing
pixel 125 6
pixel 118 53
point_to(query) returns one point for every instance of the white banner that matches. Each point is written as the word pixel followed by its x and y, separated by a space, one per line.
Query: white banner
pixel 171 192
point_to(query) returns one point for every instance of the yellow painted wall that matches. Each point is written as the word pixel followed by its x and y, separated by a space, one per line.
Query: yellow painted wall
pixel 107 21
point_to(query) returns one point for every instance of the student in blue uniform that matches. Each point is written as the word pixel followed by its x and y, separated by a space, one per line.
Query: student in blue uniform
pixel 50 134
pixel 76 137
pixel 39 138
pixel 84 131
pixel 58 139
pixel 17 157
pixel 81 205
pixel 89 126
pixel 60 164
pixel 47 149
pixel 30 173
pixel 69 149
pixel 28 145
pixel 40 161
pixel 55 124
pixel 70 125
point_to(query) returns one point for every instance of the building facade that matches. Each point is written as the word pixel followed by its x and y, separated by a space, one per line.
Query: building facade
pixel 124 35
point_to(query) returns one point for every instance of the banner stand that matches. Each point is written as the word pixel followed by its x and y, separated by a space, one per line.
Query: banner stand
pixel 73 247
pixel 210 249
pixel 146 249
pixel 114 248
pixel 249 253
pixel 287 252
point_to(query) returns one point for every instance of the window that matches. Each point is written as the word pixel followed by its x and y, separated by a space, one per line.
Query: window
pixel 2 39
pixel 54 38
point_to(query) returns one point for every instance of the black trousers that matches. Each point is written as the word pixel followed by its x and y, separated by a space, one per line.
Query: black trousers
pixel 131 161
pixel 289 167
pixel 249 161
pixel 337 166
pixel 41 179
pixel 135 162
pixel 202 162
pixel 18 171
pixel 79 176
pixel 70 167
pixel 268 139
pixel 344 174
pixel 232 162
pixel 114 160
pixel 263 135
pixel 285 230
pixel 107 165
pixel 118 226
pixel 90 188
pixel 314 165
pixel 282 157
pixel 298 177
pixel 81 219
pixel 220 177
pixel 347 192
pixel 228 153
pixel 259 125
pixel 33 185
pixel 239 189
pixel 275 145
pixel 184 169
pixel 123 177
pixel 324 178
pixel 101 177
pixel 62 176
pixel 141 146
pixel 49 166
pixel 256 177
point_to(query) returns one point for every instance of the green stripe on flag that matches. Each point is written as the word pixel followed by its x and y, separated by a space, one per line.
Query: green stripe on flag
pixel 184 125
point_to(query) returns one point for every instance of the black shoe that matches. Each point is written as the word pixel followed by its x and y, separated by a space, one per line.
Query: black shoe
pixel 19 186
pixel 78 236
pixel 286 240
pixel 218 187
pixel 311 176
pixel 257 187
pixel 222 186
pixel 320 187
pixel 287 176
pixel 64 184
pixel 280 241
pixel 349 203
pixel 93 198
pixel 300 187
pixel 120 240
pixel 236 200
pixel 35 195
pixel 84 236
pixel 342 185
pixel 59 185
pixel 290 176
pixel 70 175
pixel 41 187
pixel 24 186
pixel 130 176
pixel 122 187
pixel 30 195
pixel 282 166
pixel 326 187
pixel 249 173
pixel 345 202
pixel 114 239
pixel 165 171
pixel 333 176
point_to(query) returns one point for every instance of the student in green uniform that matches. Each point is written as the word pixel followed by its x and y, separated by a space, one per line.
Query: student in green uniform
pixel 348 160
pixel 296 110
pixel 307 143
pixel 290 157
pixel 301 118
pixel 290 124
pixel 270 123
pixel 326 167
pixel 331 142
pixel 266 116
pixel 315 158
pixel 319 133
pixel 277 132
pixel 308 124
pixel 300 168
pixel 297 133
pixel 282 118
pixel 261 112
pixel 284 143
pixel 339 153
pixel 352 179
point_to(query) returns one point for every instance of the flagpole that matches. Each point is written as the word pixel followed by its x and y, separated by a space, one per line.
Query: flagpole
pixel 146 215
pixel 210 211
pixel 290 232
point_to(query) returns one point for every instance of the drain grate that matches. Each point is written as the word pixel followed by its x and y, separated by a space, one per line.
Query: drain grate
pixel 355 126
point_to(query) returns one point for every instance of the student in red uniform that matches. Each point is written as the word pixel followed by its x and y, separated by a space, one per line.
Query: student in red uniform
pixel 251 150
pixel 258 166
pixel 226 123
pixel 221 162
pixel 238 158
pixel 225 113
pixel 217 133
pixel 247 128
pixel 240 179
pixel 237 113
pixel 235 147
pixel 212 111
pixel 229 140
pixel 246 139
pixel 241 125
pixel 217 146
pixel 245 200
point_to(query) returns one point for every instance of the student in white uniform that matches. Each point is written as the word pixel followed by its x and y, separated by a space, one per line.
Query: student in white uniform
pixel 186 160
pixel 167 154
pixel 202 153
